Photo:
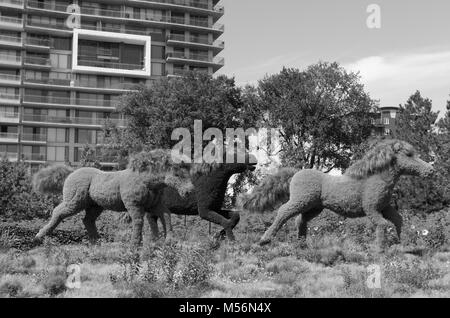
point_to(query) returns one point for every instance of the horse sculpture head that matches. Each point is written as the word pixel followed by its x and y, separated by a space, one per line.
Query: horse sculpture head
pixel 240 164
pixel 397 155
pixel 236 163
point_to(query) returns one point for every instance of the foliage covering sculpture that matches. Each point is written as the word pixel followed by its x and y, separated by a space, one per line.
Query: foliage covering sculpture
pixel 137 190
pixel 364 190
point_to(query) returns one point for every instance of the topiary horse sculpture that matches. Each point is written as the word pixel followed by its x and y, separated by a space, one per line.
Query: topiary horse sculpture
pixel 364 190
pixel 138 190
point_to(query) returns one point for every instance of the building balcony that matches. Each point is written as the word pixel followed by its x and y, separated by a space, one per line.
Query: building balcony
pixel 79 86
pixel 11 23
pixel 17 4
pixel 10 118
pixel 58 28
pixel 9 99
pixel 121 87
pixel 108 64
pixel 9 79
pixel 34 138
pixel 66 102
pixel 47 82
pixel 70 121
pixel 181 72
pixel 7 40
pixel 11 156
pixel 34 157
pixel 188 5
pixel 176 73
pixel 37 62
pixel 46 6
pixel 38 44
pixel 9 137
pixel 32 118
pixel 8 60
pixel 196 59
pixel 96 13
pixel 195 42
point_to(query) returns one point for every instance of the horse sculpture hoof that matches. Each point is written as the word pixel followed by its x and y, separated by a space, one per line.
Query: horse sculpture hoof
pixel 37 240
pixel 264 242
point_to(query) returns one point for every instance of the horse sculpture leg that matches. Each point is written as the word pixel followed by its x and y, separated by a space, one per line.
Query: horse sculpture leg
pixel 301 223
pixel 137 217
pixel 233 217
pixel 62 211
pixel 162 213
pixel 382 224
pixel 286 211
pixel 153 222
pixel 168 219
pixel 218 218
pixel 393 216
pixel 92 213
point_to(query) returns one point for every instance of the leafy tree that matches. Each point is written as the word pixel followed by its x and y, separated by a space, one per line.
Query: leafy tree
pixel 89 157
pixel 416 124
pixel 322 112
pixel 154 112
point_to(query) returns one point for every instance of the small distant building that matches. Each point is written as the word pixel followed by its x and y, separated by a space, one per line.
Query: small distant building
pixel 384 121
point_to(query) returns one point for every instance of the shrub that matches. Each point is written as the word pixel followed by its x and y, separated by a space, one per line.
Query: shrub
pixel 195 267
pixel 17 198
pixel 431 231
pixel 165 270
pixel 54 284
pixel 409 274
pixel 11 288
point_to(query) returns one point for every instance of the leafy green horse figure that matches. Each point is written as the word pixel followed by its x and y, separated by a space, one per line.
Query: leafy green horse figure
pixel 137 190
pixel 365 189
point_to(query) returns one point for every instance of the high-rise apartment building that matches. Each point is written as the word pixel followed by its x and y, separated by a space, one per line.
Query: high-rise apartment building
pixel 64 64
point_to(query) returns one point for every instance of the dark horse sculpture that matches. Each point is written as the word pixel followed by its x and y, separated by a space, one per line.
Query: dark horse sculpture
pixel 208 194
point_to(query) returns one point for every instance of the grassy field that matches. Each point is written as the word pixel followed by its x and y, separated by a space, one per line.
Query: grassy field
pixel 338 260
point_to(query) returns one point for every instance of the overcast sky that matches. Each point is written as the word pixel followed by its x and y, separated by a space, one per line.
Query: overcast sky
pixel 411 50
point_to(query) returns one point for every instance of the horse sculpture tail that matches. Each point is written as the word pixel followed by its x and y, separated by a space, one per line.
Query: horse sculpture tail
pixel 272 192
pixel 51 179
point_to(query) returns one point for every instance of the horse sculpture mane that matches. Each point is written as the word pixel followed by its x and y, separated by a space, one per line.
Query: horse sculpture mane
pixel 380 157
pixel 155 161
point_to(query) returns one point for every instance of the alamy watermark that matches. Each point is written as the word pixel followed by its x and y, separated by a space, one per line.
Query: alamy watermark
pixel 73 280
pixel 374 277
pixel 220 148
pixel 374 19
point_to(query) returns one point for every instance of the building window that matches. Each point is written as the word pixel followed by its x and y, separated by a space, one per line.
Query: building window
pixel 60 60
pixel 57 135
pixel 8 110
pixel 158 52
pixel 8 149
pixel 158 69
pixel 85 136
pixel 62 44
pixel 386 121
pixel 56 154
pixel 387 131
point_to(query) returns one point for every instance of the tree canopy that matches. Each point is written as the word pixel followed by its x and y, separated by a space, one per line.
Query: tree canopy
pixel 322 112
pixel 154 112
